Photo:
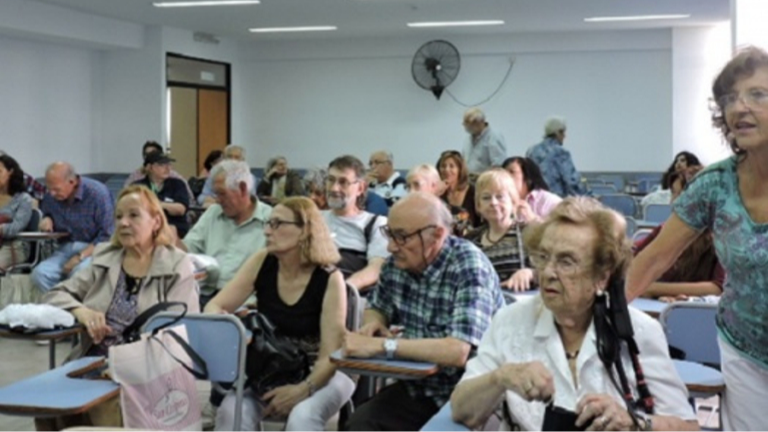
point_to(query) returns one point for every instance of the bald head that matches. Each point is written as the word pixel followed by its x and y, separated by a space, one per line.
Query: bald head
pixel 419 225
pixel 61 180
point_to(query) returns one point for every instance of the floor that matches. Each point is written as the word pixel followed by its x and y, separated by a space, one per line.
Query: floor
pixel 21 359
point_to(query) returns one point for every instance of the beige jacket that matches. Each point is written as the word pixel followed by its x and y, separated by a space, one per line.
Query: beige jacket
pixel 170 278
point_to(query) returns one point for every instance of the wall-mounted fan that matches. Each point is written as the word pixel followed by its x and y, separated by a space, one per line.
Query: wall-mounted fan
pixel 435 66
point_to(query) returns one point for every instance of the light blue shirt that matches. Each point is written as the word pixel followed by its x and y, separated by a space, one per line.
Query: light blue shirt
pixel 486 151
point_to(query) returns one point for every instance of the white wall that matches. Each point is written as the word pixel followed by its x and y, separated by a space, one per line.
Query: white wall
pixel 314 100
pixel 698 56
pixel 46 104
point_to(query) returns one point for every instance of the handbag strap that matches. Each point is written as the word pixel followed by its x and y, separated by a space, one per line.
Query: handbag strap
pixel 142 319
pixel 199 368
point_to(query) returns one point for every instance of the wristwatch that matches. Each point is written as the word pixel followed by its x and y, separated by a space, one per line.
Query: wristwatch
pixel 390 346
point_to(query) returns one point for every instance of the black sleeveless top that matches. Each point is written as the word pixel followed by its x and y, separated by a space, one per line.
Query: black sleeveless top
pixel 301 320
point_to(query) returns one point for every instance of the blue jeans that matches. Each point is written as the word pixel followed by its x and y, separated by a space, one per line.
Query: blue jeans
pixel 51 271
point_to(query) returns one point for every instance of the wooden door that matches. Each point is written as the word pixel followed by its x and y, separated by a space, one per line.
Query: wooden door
pixel 212 123
pixel 184 130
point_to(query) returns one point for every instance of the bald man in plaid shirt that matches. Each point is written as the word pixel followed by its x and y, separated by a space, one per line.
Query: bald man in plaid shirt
pixel 442 291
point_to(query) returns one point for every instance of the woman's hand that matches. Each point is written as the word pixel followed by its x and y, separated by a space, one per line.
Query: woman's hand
pixel 95 323
pixel 520 281
pixel 602 413
pixel 282 399
pixel 532 381
pixel 213 308
pixel 525 213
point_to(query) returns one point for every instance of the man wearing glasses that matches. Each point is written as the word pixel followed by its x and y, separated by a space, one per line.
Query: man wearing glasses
pixel 355 231
pixel 383 178
pixel 442 291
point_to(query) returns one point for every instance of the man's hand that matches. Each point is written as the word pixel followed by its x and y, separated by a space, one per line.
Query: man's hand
pixel 375 328
pixel 46 225
pixel 357 345
pixel 71 264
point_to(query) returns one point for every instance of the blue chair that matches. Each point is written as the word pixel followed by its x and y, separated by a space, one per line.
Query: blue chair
pixel 220 340
pixel 690 327
pixel 657 212
pixel 622 203
pixel 613 179
pixel 631 226
pixel 604 189
pixel 641 234
pixel 443 421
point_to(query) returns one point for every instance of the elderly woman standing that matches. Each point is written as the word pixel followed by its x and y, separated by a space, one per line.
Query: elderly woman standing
pixel 501 238
pixel 555 346
pixel 731 199
pixel 279 182
pixel 305 297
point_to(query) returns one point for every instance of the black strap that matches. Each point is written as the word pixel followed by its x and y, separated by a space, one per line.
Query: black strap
pixel 397 182
pixel 197 361
pixel 369 229
pixel 142 319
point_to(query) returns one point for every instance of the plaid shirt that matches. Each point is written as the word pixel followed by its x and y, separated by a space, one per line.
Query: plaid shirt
pixel 89 218
pixel 33 187
pixel 456 296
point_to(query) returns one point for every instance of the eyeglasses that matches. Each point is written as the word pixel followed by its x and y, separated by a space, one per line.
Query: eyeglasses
pixel 274 224
pixel 400 238
pixel 342 181
pixel 374 163
pixel 564 265
pixel 752 98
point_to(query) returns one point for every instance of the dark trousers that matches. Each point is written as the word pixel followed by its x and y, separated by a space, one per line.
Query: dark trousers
pixel 392 409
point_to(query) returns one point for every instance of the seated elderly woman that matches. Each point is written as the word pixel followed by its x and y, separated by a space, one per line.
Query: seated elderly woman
pixel 560 348
pixel 501 236
pixel 136 270
pixel 697 272
pixel 279 182
pixel 15 211
pixel 536 199
pixel 299 290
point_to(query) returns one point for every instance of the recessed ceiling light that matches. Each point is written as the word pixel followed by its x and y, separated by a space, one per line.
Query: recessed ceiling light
pixel 637 18
pixel 455 23
pixel 292 29
pixel 205 3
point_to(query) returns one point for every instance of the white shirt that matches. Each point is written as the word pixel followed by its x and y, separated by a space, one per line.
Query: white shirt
pixel 525 331
pixel 386 191
pixel 348 232
pixel 661 196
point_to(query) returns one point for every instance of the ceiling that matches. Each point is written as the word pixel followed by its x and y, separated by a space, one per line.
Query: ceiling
pixel 387 18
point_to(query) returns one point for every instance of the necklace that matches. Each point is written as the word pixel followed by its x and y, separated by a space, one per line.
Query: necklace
pixel 491 241
pixel 572 355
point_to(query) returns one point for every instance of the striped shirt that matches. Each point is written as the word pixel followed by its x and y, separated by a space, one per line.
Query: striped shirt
pixel 88 218
pixel 506 254
pixel 455 296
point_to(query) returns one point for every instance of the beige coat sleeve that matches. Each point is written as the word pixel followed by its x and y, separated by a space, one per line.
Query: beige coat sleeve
pixel 71 293
pixel 185 288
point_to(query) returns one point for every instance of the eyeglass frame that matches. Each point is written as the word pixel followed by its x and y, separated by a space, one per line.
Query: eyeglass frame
pixel 275 223
pixel 345 184
pixel 540 260
pixel 748 98
pixel 402 239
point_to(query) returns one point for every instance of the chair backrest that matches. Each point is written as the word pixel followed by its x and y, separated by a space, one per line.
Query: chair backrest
pixel 641 234
pixel 354 309
pixel 603 189
pixel 622 203
pixel 34 221
pixel 690 327
pixel 616 180
pixel 219 339
pixel 631 226
pixel 657 212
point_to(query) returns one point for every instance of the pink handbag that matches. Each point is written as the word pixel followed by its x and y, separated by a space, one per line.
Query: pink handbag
pixel 157 381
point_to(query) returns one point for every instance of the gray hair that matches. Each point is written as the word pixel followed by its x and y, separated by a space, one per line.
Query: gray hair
pixel 228 150
pixel 273 161
pixel 426 170
pixel 316 177
pixel 387 154
pixel 235 172
pixel 474 114
pixel 64 168
pixel 553 126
